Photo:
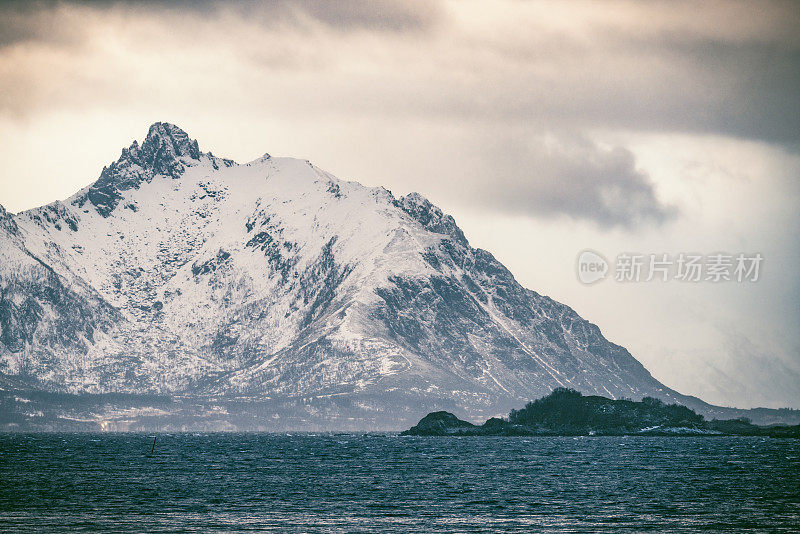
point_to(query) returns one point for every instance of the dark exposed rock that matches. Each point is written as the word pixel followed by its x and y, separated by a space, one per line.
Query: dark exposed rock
pixel 29 295
pixel 439 424
pixel 7 221
pixel 430 216
pixel 166 151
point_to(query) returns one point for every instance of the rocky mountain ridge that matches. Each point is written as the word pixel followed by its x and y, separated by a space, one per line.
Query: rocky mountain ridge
pixel 183 274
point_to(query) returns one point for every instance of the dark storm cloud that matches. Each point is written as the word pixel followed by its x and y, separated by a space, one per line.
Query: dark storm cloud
pixel 707 71
pixel 34 21
pixel 37 20
pixel 748 88
pixel 570 176
pixel 729 69
pixel 741 89
pixel 392 15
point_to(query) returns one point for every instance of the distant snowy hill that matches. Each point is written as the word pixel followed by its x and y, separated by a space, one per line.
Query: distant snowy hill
pixel 181 273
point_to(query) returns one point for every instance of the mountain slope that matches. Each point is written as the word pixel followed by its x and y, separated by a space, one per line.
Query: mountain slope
pixel 274 279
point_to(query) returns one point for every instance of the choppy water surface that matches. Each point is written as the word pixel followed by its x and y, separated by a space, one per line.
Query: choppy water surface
pixel 345 483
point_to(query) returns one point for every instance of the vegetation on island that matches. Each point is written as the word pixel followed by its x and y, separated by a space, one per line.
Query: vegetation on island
pixel 566 412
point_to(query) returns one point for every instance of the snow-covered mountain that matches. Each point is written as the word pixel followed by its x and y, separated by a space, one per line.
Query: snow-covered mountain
pixel 181 273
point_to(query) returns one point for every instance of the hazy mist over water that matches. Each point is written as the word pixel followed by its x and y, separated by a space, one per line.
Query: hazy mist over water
pixel 383 482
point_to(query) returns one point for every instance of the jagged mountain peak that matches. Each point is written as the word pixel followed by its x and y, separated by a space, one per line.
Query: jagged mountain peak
pixel 166 140
pixel 7 220
pixel 430 216
pixel 167 151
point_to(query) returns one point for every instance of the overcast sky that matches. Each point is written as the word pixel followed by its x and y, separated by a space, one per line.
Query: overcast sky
pixel 543 128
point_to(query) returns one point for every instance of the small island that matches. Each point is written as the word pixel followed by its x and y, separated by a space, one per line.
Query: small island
pixel 566 412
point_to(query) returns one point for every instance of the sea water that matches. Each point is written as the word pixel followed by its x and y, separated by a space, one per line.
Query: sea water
pixel 387 483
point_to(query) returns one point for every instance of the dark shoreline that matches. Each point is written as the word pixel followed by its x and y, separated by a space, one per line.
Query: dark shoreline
pixel 568 413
